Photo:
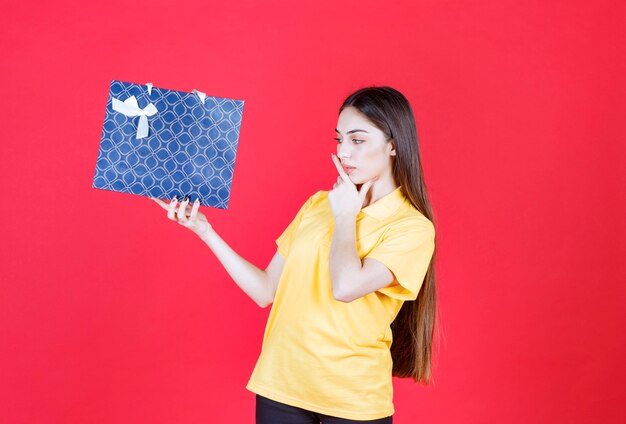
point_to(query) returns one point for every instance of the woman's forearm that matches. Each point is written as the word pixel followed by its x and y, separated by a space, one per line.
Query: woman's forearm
pixel 251 279
pixel 344 262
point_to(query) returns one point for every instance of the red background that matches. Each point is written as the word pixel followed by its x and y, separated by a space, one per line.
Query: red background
pixel 110 313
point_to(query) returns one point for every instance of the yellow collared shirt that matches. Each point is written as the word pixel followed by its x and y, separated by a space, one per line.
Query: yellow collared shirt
pixel 329 356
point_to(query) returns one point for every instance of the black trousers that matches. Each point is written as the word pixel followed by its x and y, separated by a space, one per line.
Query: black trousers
pixel 269 411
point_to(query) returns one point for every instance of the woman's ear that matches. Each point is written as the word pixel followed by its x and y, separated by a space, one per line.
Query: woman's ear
pixel 392 151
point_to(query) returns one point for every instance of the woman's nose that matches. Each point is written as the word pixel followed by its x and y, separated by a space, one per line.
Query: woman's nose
pixel 343 150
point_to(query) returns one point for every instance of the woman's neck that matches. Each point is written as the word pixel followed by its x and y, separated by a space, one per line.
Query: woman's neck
pixel 377 190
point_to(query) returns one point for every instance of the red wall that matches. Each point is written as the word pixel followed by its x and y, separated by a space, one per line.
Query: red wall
pixel 110 313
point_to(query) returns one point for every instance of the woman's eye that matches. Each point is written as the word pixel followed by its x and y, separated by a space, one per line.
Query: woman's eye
pixel 354 139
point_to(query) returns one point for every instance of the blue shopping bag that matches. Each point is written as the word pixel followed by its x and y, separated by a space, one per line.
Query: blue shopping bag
pixel 164 143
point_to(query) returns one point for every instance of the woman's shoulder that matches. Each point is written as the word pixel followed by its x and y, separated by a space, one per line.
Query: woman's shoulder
pixel 410 217
pixel 315 200
pixel 318 196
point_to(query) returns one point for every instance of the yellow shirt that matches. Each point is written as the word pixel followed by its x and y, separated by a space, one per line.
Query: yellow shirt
pixel 333 357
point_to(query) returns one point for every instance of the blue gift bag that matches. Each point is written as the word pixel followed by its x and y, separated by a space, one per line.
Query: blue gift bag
pixel 164 143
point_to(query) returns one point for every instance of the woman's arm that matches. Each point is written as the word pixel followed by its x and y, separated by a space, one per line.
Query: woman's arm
pixel 259 284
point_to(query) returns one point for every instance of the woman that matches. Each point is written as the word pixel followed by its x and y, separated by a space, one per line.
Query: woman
pixel 353 271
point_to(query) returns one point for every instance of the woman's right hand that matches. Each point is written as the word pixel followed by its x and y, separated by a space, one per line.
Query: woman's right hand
pixel 185 215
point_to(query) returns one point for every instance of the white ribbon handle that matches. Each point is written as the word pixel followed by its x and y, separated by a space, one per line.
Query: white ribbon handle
pixel 200 94
pixel 130 107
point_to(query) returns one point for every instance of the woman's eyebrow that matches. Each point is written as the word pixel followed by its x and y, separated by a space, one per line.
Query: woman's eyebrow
pixel 351 131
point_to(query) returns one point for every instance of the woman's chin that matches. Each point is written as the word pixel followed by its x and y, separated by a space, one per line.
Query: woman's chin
pixel 355 178
pixel 358 181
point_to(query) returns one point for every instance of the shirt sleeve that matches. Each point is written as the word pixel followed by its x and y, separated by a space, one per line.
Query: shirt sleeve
pixel 283 242
pixel 406 249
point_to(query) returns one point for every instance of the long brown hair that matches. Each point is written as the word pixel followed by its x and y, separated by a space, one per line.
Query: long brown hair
pixel 414 325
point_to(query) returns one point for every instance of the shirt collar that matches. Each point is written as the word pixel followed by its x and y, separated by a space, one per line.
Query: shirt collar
pixel 386 205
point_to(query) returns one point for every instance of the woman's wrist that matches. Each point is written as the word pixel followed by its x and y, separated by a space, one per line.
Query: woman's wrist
pixel 207 233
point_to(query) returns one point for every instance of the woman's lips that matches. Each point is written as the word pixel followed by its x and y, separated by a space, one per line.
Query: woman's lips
pixel 348 169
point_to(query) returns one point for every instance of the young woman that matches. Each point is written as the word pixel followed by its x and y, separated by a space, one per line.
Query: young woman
pixel 353 271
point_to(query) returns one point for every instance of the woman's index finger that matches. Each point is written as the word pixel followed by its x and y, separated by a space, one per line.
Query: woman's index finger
pixel 343 174
pixel 194 209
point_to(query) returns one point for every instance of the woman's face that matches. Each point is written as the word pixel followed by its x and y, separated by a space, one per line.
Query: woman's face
pixel 363 146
